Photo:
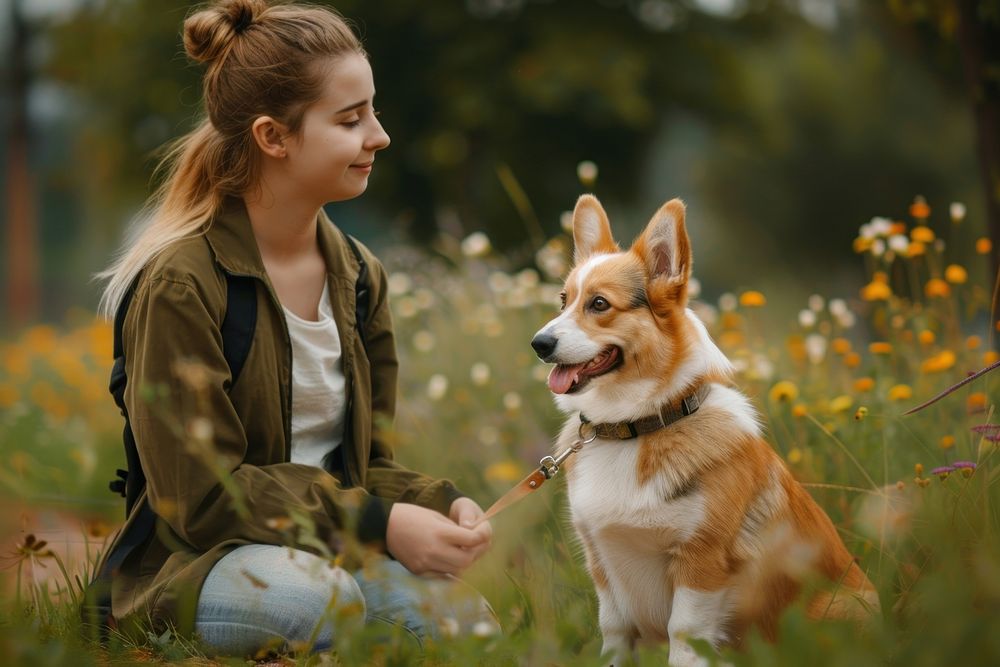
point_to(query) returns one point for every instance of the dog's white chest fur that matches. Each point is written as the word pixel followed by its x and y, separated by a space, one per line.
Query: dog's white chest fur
pixel 633 529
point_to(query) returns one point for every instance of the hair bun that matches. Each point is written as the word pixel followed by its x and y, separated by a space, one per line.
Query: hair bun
pixel 208 32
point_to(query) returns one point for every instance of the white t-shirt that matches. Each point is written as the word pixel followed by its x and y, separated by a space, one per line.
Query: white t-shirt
pixel 318 393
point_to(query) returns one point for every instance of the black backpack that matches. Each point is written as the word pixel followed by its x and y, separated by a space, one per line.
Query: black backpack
pixel 237 330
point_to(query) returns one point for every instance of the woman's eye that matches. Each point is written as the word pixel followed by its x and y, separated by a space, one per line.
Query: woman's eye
pixel 600 304
pixel 352 123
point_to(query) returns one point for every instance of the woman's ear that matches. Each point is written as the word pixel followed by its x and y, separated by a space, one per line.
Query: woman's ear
pixel 269 136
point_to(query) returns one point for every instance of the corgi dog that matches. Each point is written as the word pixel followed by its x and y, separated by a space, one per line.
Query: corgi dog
pixel 691 525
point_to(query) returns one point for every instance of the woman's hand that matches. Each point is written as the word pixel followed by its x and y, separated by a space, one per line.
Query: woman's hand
pixel 426 542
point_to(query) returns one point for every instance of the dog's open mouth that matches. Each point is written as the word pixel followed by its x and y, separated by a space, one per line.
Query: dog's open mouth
pixel 568 378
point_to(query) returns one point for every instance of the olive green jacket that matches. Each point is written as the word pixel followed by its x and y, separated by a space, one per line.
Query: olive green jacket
pixel 216 457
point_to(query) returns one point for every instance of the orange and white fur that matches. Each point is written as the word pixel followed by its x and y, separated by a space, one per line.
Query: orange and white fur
pixel 696 530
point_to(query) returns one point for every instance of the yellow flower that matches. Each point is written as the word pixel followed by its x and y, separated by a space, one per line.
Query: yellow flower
pixel 783 392
pixel 984 246
pixel 976 402
pixel 897 228
pixel 797 348
pixel 752 299
pixel 973 342
pixel 955 274
pixel 731 339
pixel 840 345
pixel 926 337
pixel 919 208
pixel 861 244
pixel 9 395
pixel 922 234
pixel 876 291
pixel 936 287
pixel 918 468
pixel 880 347
pixel 503 471
pixel 731 320
pixel 947 441
pixel 794 455
pixel 916 249
pixel 40 340
pixel 799 410
pixel 939 362
pixel 852 360
pixel 861 385
pixel 990 357
pixel 900 392
pixel 841 403
pixel 860 413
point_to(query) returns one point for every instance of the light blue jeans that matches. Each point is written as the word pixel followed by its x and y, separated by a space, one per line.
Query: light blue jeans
pixel 261 596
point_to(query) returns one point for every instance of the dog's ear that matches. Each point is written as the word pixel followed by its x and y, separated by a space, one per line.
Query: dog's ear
pixel 591 229
pixel 665 248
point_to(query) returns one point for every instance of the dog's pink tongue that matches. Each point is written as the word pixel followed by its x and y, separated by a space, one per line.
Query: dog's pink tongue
pixel 561 377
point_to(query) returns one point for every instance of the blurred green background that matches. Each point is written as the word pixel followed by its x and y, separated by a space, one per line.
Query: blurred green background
pixel 784 124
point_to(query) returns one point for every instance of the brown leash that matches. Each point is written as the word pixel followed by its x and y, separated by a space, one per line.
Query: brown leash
pixel 548 467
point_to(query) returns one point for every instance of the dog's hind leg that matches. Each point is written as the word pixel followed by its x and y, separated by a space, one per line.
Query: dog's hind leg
pixel 696 615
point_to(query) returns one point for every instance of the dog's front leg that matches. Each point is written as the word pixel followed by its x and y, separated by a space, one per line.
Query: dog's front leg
pixel 616 630
pixel 697 615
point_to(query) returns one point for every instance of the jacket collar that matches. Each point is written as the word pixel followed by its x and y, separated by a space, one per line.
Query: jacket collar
pixel 235 248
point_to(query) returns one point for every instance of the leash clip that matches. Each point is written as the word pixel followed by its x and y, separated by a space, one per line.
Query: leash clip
pixel 549 465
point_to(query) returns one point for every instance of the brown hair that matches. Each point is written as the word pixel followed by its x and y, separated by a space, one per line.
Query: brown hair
pixel 261 59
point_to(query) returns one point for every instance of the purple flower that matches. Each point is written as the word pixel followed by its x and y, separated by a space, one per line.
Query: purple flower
pixel 942 470
pixel 967 465
pixel 986 428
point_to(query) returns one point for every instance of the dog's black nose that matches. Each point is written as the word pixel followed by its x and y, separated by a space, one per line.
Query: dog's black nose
pixel 545 345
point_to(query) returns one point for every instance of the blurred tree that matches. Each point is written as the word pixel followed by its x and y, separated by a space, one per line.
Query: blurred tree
pixel 973 26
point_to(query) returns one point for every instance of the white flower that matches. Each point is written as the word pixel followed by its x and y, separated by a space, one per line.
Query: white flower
pixel 406 307
pixel 424 341
pixel 424 298
pixel 566 221
pixel 500 282
pixel 816 303
pixel 957 210
pixel 899 243
pixel 476 244
pixel 807 319
pixel 480 373
pixel 838 307
pixel 485 629
pixel 881 226
pixel 399 283
pixel 694 288
pixel 437 387
pixel 489 435
pixel 815 348
pixel 878 247
pixel 728 302
pixel 586 171
pixel 527 278
pixel 512 401
pixel 540 372
pixel 846 319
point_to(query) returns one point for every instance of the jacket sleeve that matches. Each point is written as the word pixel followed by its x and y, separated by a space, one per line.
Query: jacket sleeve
pixel 386 478
pixel 192 445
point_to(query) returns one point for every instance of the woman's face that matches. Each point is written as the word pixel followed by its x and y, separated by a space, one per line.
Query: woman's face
pixel 332 156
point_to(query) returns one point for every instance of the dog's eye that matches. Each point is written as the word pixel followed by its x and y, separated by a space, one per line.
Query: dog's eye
pixel 562 300
pixel 600 304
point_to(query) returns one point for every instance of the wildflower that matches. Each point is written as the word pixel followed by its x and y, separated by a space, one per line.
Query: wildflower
pixel 899 243
pixel 551 258
pixel 878 247
pixel 406 307
pixel 476 244
pixel 840 345
pixel 752 299
pixel 9 395
pixel 794 455
pixel 694 288
pixel 566 221
pixel 926 337
pixel 936 287
pixel 796 348
pixel 880 347
pixel 973 342
pixel 815 348
pixel 860 413
pixel 399 284
pixel 512 401
pixel 900 392
pixel 862 244
pixel 424 341
pixel 916 249
pixel 976 402
pixel 841 403
pixel 852 360
pixel 922 234
pixel 488 435
pixel 955 274
pixel 947 441
pixel 424 298
pixel 864 384
pixel 957 211
pixel 816 303
pixel 480 373
pixel 586 171
pixel 942 472
pixel 807 319
pixel 799 410
pixel 918 468
pixel 502 471
pixel 731 339
pixel 783 392
pixel 878 226
pixel 990 357
pixel 437 386
pixel 919 208
pixel 939 362
pixel 984 246
pixel 967 467
pixel 876 290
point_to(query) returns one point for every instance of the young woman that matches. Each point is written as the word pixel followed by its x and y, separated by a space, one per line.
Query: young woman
pixel 288 454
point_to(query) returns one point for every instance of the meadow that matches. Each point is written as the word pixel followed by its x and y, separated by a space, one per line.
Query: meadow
pixel 915 497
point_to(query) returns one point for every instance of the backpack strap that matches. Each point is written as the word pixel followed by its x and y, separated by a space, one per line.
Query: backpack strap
pixel 239 323
pixel 362 293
